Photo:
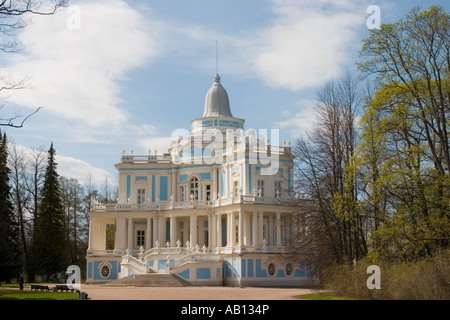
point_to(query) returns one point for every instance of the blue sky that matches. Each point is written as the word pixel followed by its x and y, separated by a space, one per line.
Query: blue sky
pixel 117 75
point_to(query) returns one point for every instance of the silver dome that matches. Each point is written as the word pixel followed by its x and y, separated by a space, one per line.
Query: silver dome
pixel 216 102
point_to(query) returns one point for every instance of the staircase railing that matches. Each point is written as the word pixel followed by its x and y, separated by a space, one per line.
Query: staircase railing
pixel 166 251
pixel 137 265
pixel 193 257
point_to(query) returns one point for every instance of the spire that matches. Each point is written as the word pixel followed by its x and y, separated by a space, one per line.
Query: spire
pixel 217 103
pixel 217 61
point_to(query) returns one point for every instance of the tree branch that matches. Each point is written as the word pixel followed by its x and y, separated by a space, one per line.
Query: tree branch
pixel 10 122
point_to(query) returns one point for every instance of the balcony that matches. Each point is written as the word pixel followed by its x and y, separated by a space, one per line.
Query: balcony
pixel 192 204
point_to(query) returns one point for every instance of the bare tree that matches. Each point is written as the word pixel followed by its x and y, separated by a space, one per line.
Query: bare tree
pixel 35 179
pixel 18 167
pixel 326 180
pixel 15 15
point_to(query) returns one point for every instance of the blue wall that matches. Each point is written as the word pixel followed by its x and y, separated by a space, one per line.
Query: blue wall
pixel 163 188
pixel 93 270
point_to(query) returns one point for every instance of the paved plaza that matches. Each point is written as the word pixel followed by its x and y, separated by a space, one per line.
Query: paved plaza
pixel 98 292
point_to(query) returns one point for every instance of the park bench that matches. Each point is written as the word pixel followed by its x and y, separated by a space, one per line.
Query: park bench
pixel 39 287
pixel 64 287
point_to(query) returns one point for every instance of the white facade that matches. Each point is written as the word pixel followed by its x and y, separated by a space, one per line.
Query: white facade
pixel 210 210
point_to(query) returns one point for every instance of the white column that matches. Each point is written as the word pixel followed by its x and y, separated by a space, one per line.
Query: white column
pixel 232 232
pixel 245 180
pixel 193 230
pixel 212 230
pixel 130 234
pixel 214 189
pixel 174 186
pixel 121 234
pixel 228 229
pixel 241 228
pixel 226 186
pixel 90 234
pixel 148 238
pixel 155 230
pixel 219 230
pixel 269 232
pixel 162 231
pixel 255 228
pixel 173 232
pixel 261 228
pixel 278 229
pixel 200 233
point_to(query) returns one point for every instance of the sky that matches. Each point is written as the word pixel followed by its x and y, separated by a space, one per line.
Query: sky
pixel 113 75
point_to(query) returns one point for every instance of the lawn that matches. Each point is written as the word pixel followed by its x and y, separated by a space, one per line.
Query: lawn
pixel 26 294
pixel 322 296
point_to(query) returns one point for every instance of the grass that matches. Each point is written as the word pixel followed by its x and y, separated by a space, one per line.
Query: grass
pixel 322 296
pixel 7 294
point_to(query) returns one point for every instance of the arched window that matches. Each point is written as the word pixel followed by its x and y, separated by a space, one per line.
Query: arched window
pixel 194 189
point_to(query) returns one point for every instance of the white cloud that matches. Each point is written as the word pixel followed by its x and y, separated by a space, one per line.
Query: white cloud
pixel 81 170
pixel 301 122
pixel 68 167
pixel 160 144
pixel 308 42
pixel 76 73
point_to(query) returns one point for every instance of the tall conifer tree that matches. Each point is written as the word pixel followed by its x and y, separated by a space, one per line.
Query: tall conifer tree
pixel 49 238
pixel 9 241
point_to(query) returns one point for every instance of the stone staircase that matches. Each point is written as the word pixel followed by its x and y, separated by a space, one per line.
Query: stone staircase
pixel 150 280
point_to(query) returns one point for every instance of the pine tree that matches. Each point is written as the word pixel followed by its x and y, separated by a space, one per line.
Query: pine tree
pixel 49 239
pixel 9 241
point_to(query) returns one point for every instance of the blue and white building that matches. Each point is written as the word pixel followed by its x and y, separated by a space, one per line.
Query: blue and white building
pixel 211 210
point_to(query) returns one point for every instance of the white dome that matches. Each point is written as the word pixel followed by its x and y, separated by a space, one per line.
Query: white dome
pixel 216 102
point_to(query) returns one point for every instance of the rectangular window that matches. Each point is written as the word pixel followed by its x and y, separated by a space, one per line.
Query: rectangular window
pixel 194 189
pixel 236 188
pixel 140 238
pixel 208 192
pixel 140 196
pixel 277 189
pixel 260 191
pixel 206 238
pixel 182 193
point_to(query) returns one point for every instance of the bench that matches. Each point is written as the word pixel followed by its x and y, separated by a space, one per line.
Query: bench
pixel 39 287
pixel 63 287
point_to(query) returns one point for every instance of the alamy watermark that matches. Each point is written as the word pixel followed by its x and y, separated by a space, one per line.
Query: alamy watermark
pixel 212 146
pixel 374 20
pixel 73 21
pixel 374 280
pixel 73 281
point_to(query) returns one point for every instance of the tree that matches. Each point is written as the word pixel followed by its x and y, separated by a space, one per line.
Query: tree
pixel 411 59
pixel 49 243
pixel 20 197
pixel 332 226
pixel 34 177
pixel 409 116
pixel 9 244
pixel 76 224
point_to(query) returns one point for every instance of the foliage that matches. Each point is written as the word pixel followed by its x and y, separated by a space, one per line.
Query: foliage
pixel 28 173
pixel 332 228
pixel 383 196
pixel 406 135
pixel 9 248
pixel 48 248
pixel 427 279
